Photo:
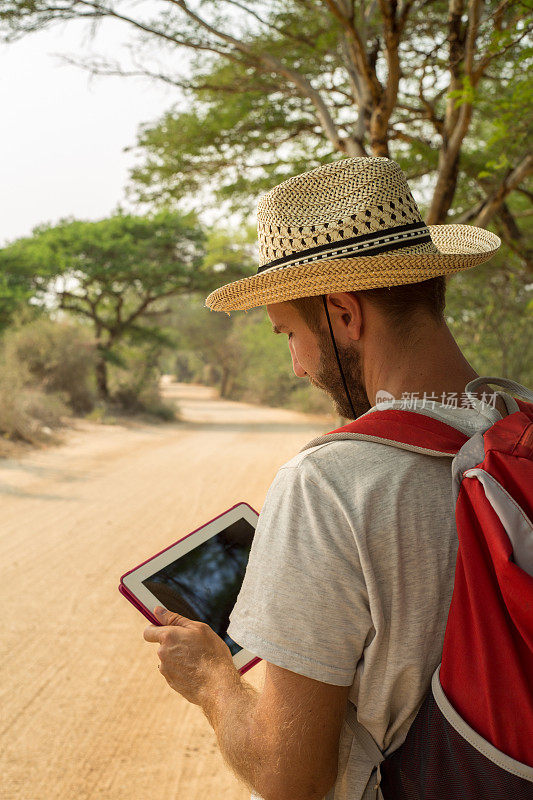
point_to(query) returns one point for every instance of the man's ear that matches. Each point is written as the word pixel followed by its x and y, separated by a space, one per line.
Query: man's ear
pixel 346 314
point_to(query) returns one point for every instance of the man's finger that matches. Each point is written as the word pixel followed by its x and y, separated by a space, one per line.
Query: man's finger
pixel 166 617
pixel 152 633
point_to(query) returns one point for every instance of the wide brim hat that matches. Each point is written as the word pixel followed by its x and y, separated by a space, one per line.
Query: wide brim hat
pixel 347 226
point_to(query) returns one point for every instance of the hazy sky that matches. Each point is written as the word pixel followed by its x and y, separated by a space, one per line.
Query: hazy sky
pixel 62 133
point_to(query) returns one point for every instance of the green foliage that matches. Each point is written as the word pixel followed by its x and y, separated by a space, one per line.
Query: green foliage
pixel 309 400
pixel 274 90
pixel 241 357
pixel 230 254
pixel 265 375
pixel 16 285
pixel 203 346
pixel 119 276
pixel 122 256
pixel 134 382
pixel 504 120
pixel 238 132
pixel 116 273
pixel 202 337
pixel 112 270
pixel 466 94
pixel 241 128
pixel 490 312
pixel 242 125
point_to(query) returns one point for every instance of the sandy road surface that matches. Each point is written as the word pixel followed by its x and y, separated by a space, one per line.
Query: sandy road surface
pixel 84 712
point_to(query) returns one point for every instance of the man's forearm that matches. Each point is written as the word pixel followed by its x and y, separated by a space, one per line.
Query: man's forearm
pixel 274 740
pixel 231 706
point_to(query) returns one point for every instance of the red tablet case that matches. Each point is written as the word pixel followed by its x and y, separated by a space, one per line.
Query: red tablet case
pixel 144 611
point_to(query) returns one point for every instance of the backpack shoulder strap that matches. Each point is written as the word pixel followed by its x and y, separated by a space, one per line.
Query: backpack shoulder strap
pixel 408 430
pixel 365 742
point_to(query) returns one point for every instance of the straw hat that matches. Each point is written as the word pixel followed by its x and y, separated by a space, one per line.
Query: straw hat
pixel 349 225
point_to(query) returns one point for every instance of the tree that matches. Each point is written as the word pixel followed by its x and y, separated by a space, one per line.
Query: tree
pixel 279 89
pixel 16 289
pixel 491 313
pixel 117 273
pixel 202 333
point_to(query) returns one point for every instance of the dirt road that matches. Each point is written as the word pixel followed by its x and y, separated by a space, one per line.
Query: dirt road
pixel 85 713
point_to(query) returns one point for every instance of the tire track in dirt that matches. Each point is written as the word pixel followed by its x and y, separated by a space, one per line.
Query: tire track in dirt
pixel 85 712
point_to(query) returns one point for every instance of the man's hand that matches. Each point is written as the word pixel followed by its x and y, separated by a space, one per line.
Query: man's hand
pixel 191 654
pixel 283 742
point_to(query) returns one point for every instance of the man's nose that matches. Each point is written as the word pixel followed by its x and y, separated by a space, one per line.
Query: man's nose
pixel 299 371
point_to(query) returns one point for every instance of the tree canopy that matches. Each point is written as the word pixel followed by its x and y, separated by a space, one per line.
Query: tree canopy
pixel 276 89
pixel 268 90
pixel 116 273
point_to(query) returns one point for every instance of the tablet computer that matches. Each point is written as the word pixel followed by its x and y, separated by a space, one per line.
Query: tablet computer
pixel 199 576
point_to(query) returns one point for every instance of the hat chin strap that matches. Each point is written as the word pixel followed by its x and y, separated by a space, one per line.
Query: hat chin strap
pixel 337 356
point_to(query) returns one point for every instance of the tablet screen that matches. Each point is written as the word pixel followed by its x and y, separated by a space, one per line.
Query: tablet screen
pixel 204 583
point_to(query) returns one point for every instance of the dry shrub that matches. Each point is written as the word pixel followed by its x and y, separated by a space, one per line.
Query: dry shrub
pixel 45 374
pixel 57 357
pixel 27 413
pixel 135 386
pixel 311 401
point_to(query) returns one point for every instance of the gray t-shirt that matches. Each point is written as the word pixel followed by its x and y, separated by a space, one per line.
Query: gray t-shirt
pixel 350 579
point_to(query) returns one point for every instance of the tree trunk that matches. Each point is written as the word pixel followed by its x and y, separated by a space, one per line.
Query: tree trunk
pixel 444 190
pixel 225 382
pixel 378 132
pixel 101 378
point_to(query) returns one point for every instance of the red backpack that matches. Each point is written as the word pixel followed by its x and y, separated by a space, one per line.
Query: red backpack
pixel 473 735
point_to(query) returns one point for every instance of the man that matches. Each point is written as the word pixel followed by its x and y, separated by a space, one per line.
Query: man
pixel 351 571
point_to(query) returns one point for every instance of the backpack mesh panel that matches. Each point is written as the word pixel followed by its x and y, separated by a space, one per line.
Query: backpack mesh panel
pixel 436 763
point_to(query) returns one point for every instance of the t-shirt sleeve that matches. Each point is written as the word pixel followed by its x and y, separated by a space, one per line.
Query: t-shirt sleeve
pixel 303 604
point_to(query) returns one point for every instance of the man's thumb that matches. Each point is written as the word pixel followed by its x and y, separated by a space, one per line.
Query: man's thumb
pixel 166 617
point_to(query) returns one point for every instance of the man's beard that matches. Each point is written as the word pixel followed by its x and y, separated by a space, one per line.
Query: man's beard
pixel 328 377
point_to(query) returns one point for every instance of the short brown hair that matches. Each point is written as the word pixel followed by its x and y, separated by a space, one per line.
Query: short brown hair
pixel 397 302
